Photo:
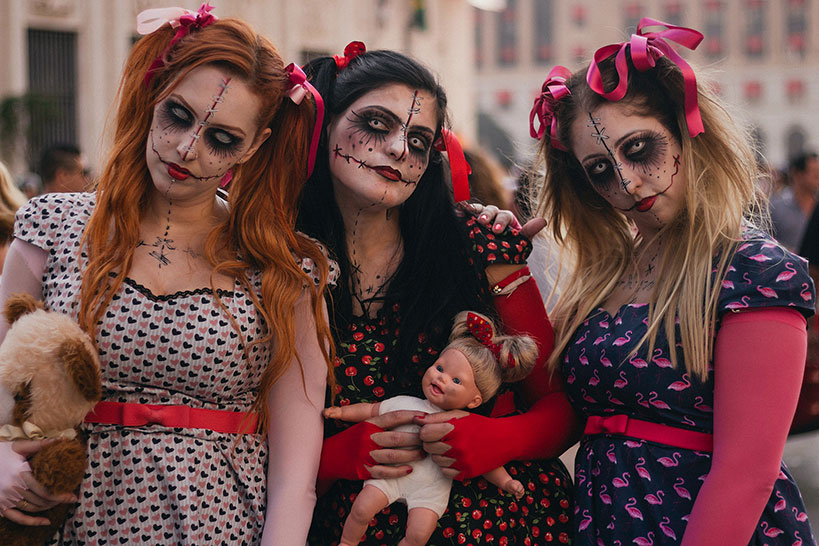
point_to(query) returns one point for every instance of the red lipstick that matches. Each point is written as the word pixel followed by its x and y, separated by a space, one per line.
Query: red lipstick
pixel 646 203
pixel 389 173
pixel 177 172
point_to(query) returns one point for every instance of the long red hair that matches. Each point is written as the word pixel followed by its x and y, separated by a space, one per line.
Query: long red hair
pixel 259 232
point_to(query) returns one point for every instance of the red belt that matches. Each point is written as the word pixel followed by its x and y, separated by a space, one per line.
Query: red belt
pixel 137 415
pixel 623 425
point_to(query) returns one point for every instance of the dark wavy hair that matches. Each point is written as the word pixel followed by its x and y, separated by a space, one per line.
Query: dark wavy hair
pixel 435 279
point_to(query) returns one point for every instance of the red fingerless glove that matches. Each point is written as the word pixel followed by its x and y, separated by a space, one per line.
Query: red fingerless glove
pixel 344 455
pixel 479 444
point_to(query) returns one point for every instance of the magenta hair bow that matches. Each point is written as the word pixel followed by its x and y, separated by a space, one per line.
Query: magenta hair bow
pixel 181 19
pixel 299 88
pixel 482 331
pixel 353 50
pixel 553 90
pixel 646 47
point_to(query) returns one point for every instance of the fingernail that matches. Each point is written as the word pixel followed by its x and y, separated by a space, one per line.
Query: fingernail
pixel 420 417
pixel 409 470
pixel 484 217
pixel 498 226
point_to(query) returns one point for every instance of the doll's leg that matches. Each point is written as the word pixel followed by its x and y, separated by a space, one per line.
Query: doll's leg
pixel 500 477
pixel 366 505
pixel 421 523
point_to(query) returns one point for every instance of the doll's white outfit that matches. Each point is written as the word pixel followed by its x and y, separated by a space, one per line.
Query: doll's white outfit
pixel 426 486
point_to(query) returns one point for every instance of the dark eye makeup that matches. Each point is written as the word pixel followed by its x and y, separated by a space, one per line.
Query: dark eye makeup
pixel 174 116
pixel 644 150
pixel 374 125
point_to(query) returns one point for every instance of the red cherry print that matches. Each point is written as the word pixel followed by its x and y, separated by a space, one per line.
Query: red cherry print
pixel 379 347
pixel 358 336
pixel 366 359
pixel 351 371
pixel 449 532
pixel 378 391
pixel 368 380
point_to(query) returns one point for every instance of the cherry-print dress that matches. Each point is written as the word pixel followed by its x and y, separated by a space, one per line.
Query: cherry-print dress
pixel 633 491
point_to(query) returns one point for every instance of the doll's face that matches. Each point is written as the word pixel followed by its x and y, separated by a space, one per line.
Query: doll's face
pixel 633 162
pixel 450 383
pixel 379 147
pixel 203 128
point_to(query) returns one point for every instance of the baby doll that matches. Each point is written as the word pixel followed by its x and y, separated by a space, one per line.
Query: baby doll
pixel 468 372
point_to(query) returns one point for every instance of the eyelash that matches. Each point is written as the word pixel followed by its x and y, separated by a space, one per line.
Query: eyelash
pixel 174 115
pixel 648 157
pixel 363 122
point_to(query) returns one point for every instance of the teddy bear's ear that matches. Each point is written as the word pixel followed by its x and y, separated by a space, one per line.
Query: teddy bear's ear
pixel 81 368
pixel 19 304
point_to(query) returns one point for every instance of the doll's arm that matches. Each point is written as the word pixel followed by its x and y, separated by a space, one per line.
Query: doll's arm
pixel 294 436
pixel 759 359
pixel 501 478
pixel 353 413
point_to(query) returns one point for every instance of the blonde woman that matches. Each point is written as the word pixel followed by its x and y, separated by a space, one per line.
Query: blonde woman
pixel 681 328
pixel 11 199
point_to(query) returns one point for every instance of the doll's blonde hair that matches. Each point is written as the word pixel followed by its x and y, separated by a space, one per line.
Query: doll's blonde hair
pixel 598 241
pixel 489 372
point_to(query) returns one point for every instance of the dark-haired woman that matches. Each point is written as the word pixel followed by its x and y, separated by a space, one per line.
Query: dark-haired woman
pixel 408 264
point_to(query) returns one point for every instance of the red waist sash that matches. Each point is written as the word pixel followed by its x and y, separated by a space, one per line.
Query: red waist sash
pixel 137 415
pixel 623 425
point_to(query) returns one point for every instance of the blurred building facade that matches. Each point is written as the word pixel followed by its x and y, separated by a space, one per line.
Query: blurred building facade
pixel 762 55
pixel 61 59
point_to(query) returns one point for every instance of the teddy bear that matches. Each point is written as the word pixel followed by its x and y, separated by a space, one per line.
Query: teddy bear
pixel 51 367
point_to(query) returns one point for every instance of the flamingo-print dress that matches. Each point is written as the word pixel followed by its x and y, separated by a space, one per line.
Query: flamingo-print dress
pixel 637 492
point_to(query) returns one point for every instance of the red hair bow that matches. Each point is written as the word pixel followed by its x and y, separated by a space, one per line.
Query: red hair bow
pixel 458 167
pixel 646 48
pixel 553 90
pixel 481 330
pixel 353 50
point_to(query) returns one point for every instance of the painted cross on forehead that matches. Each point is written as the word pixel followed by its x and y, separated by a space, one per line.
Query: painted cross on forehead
pixel 217 99
pixel 415 108
pixel 601 137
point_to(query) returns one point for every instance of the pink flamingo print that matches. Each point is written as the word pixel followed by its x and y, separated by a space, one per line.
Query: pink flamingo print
pixel 656 498
pixel 632 511
pixel 746 278
pixel 780 504
pixel 621 481
pixel 743 246
pixel 742 304
pixel 612 399
pixel 594 379
pixel 645 541
pixel 661 362
pixel 798 541
pixel 805 293
pixel 618 321
pixel 640 400
pixel 767 292
pixel 604 497
pixel 680 385
pixel 760 258
pixel 800 516
pixel 603 323
pixel 582 338
pixel 680 490
pixel 586 397
pixel 623 340
pixel 602 338
pixel 786 275
pixel 730 269
pixel 632 444
pixel 610 454
pixel 637 362
pixel 698 403
pixel 611 523
pixel 666 529
pixel 728 284
pixel 768 245
pixel 668 462
pixel 582 358
pixel 571 379
pixel 587 519
pixel 604 360
pixel 770 531
pixel 622 382
pixel 640 468
pixel 659 404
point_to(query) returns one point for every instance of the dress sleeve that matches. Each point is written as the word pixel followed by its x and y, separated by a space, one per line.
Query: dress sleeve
pixel 759 359
pixel 295 435
pixel 763 274
pixel 42 221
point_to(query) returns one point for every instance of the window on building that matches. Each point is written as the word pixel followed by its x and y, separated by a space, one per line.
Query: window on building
pixel 544 31
pixel 52 79
pixel 579 15
pixel 634 12
pixel 714 28
pixel 754 32
pixel 508 34
pixel 795 140
pixel 796 26
pixel 673 12
pixel 479 23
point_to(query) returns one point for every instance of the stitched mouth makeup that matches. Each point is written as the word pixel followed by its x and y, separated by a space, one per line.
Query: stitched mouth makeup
pixel 384 171
pixel 645 204
pixel 177 172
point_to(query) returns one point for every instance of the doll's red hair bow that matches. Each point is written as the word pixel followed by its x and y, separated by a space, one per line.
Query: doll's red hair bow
pixel 481 330
pixel 353 50
pixel 181 19
pixel 553 90
pixel 646 48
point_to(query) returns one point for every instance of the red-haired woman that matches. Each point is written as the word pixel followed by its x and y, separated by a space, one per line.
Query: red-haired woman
pixel 209 310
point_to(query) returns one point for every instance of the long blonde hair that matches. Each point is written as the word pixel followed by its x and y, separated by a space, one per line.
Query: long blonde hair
pixel 599 242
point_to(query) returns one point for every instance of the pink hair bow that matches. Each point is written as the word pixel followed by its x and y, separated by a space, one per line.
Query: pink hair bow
pixel 353 50
pixel 553 90
pixel 482 331
pixel 299 88
pixel 181 19
pixel 646 47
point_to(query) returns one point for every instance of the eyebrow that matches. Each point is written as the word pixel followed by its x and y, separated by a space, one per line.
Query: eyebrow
pixel 184 103
pixel 390 114
pixel 617 144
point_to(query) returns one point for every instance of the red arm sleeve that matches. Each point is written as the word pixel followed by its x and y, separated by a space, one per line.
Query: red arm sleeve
pixel 759 359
